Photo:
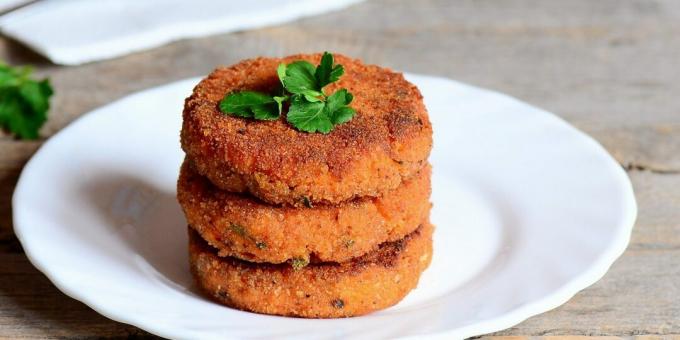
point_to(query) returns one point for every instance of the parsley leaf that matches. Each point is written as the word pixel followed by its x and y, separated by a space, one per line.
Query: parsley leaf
pixel 299 79
pixel 310 109
pixel 326 72
pixel 279 102
pixel 281 72
pixel 24 102
pixel 337 109
pixel 309 116
pixel 251 104
pixel 267 112
pixel 343 115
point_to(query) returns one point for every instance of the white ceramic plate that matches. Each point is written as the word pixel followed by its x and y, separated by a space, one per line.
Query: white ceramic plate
pixel 528 211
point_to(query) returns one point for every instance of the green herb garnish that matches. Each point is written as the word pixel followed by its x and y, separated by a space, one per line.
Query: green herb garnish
pixel 238 229
pixel 23 101
pixel 299 263
pixel 241 231
pixel 307 202
pixel 310 109
pixel 250 104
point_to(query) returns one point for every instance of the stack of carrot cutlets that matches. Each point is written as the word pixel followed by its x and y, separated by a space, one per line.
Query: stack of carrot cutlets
pixel 308 224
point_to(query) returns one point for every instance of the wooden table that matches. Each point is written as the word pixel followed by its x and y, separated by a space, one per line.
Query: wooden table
pixel 609 67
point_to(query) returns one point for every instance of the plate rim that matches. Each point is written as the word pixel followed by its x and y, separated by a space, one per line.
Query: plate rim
pixel 514 316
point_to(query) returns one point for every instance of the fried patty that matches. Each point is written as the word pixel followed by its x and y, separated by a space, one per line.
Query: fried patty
pixel 241 226
pixel 372 282
pixel 387 141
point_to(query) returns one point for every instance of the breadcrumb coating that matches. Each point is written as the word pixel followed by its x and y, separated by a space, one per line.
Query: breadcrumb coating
pixel 387 141
pixel 372 282
pixel 241 226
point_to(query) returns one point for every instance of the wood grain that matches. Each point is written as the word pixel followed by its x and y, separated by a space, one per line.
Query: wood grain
pixel 609 67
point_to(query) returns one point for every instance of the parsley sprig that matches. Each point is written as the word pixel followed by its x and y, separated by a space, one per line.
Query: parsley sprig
pixel 310 109
pixel 23 101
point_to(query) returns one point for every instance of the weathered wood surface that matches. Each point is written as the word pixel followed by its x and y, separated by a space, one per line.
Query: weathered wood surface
pixel 610 67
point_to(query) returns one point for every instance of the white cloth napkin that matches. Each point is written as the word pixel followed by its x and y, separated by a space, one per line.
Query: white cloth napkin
pixel 72 32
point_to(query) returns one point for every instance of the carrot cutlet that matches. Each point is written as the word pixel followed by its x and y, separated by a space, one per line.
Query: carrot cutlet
pixel 372 282
pixel 244 227
pixel 387 141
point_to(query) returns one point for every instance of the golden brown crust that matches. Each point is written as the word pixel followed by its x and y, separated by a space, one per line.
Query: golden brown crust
pixel 388 140
pixel 328 290
pixel 243 227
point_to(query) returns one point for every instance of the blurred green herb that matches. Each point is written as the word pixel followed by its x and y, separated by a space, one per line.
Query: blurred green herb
pixel 241 231
pixel 299 263
pixel 23 101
